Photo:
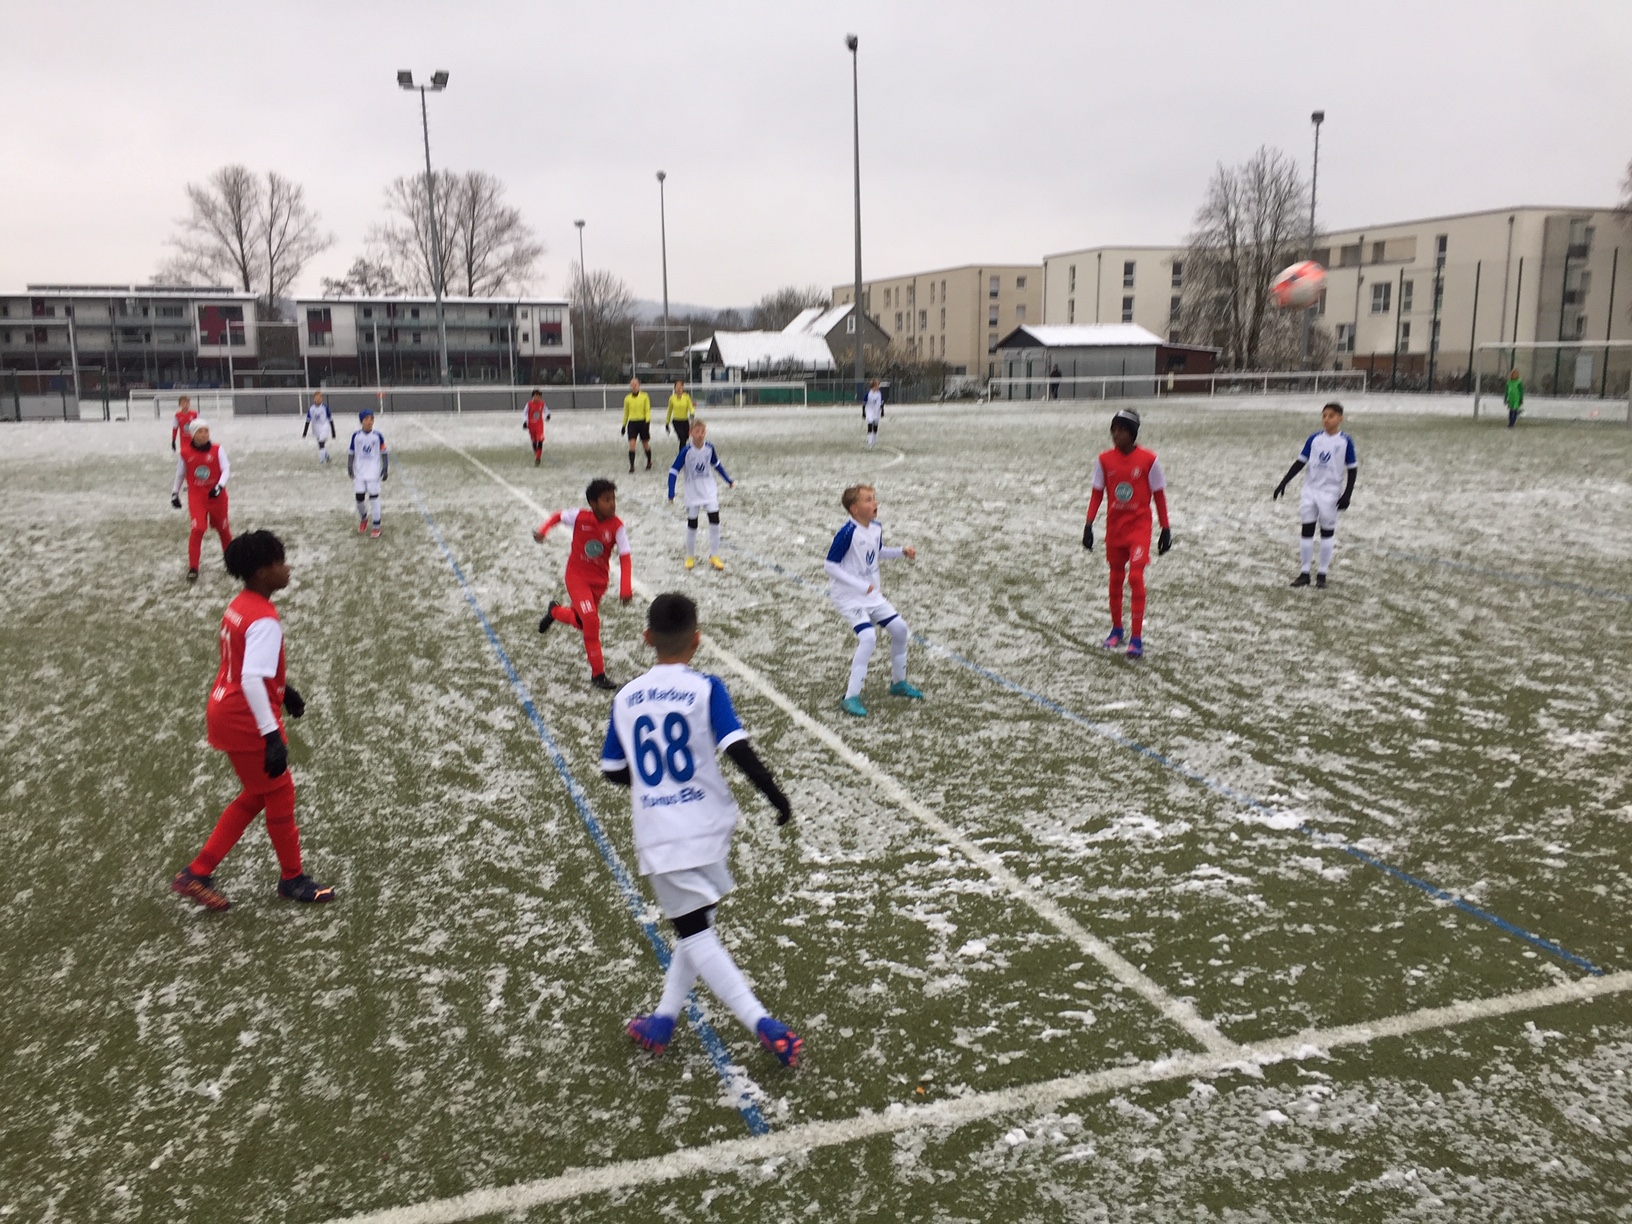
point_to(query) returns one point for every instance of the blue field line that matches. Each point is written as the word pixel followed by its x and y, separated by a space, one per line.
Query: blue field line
pixel 1510 576
pixel 712 1042
pixel 1223 788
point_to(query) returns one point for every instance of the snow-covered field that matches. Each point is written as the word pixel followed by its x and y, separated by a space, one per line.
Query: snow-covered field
pixel 1318 912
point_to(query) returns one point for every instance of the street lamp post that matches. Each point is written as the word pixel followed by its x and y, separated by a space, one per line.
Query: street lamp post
pixel 581 271
pixel 1316 118
pixel 439 82
pixel 857 315
pixel 663 229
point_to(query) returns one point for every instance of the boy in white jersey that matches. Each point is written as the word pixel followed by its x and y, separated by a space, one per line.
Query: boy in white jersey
pixel 1328 483
pixel 696 465
pixel 663 741
pixel 320 421
pixel 853 583
pixel 368 464
pixel 872 412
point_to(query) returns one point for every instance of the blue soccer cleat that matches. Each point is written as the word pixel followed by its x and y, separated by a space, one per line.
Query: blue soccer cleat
pixel 902 689
pixel 653 1032
pixel 1136 648
pixel 1114 641
pixel 853 707
pixel 782 1041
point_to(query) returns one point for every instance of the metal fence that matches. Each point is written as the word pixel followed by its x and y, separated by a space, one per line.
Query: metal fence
pixel 54 395
pixel 1146 386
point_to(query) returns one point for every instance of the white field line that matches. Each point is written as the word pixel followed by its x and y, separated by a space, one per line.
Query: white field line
pixel 1178 1011
pixel 733 1154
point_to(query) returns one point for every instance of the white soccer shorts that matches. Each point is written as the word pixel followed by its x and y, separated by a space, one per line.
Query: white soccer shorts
pixel 691 889
pixel 859 614
pixel 321 433
pixel 1319 508
pixel 698 509
pixel 362 484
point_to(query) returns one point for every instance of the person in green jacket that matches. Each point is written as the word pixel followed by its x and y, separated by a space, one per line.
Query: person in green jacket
pixel 1514 397
pixel 637 422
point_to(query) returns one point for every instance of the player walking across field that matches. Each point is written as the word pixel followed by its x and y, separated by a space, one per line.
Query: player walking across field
pixel 244 719
pixel 533 417
pixel 872 412
pixel 595 533
pixel 663 742
pixel 203 467
pixel 185 416
pixel 1329 468
pixel 1133 478
pixel 681 413
pixel 853 584
pixel 368 464
pixel 320 422
pixel 637 422
pixel 696 465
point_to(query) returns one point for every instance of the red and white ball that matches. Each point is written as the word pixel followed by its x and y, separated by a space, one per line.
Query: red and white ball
pixel 1298 286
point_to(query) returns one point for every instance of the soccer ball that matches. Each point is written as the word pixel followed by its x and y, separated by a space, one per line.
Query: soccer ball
pixel 1298 286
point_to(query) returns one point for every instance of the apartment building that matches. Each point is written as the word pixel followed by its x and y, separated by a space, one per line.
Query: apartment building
pixel 953 315
pixel 1108 285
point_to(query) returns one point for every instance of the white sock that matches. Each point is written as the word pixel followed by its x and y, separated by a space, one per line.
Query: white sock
pixel 677 983
pixel 713 539
pixel 1306 552
pixel 715 966
pixel 374 507
pixel 899 636
pixel 691 540
pixel 1327 544
pixel 865 641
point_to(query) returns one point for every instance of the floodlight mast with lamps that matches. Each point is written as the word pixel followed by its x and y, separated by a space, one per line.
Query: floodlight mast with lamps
pixel 1317 118
pixel 439 82
pixel 857 316
pixel 663 228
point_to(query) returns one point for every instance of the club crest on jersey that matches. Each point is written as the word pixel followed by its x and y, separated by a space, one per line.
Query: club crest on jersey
pixel 872 557
pixel 1324 456
pixel 593 548
pixel 1124 491
pixel 201 473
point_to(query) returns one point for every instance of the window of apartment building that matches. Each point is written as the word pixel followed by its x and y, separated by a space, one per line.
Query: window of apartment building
pixel 1433 337
pixel 991 316
pixel 932 293
pixel 991 342
pixel 1173 307
pixel 416 334
pixel 923 320
pixel 943 291
pixel 1178 274
pixel 1127 274
pixel 912 295
pixel 943 347
pixel 1345 337
pixel 368 312
pixel 1580 328
pixel 993 286
pixel 1382 294
pixel 1580 237
pixel 1127 310
pixel 1441 242
pixel 943 318
pixel 1407 294
pixel 414 314
pixel 1378 251
pixel 1405 336
pixel 850 326
pixel 886 297
pixel 898 324
pixel 1070 310
pixel 1019 282
pixel 1020 312
pixel 1071 279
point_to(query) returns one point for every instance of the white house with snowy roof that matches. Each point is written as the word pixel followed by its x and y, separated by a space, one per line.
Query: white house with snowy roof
pixel 815 342
pixel 1057 361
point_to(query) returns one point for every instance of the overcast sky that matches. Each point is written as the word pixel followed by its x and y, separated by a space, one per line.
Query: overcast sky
pixel 991 132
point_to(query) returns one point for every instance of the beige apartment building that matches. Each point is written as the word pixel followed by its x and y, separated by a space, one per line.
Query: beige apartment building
pixel 954 315
pixel 1141 284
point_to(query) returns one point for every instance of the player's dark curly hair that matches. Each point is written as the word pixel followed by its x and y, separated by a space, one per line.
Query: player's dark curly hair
pixel 251 552
pixel 672 619
pixel 599 488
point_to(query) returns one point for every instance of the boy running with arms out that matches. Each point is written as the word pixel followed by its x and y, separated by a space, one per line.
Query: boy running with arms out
pixel 853 584
pixel 595 533
pixel 244 718
pixel 663 742
pixel 368 464
pixel 202 466
pixel 320 421
pixel 533 418
pixel 696 465
pixel 1328 456
pixel 1133 477
pixel 637 422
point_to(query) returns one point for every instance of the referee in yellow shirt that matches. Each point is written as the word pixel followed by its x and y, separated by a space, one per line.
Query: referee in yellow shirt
pixel 637 422
pixel 680 413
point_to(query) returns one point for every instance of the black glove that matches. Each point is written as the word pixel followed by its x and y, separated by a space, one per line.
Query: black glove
pixel 620 431
pixel 172 444
pixel 1164 541
pixel 1088 535
pixel 385 472
pixel 524 425
pixel 784 809
pixel 293 701
pixel 175 501
pixel 1343 502
pixel 215 492
pixel 351 467
pixel 1279 490
pixel 277 755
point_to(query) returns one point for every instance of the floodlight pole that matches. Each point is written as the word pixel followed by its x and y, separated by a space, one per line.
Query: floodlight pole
pixel 1317 118
pixel 439 82
pixel 581 270
pixel 663 230
pixel 858 315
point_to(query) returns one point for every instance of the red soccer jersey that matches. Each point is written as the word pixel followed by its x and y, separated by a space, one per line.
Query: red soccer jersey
pixel 593 542
pixel 202 469
pixel 228 719
pixel 184 418
pixel 1128 483
pixel 535 418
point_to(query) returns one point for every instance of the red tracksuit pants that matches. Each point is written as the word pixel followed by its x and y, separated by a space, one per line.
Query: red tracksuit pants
pixel 206 512
pixel 1133 557
pixel 583 611
pixel 275 795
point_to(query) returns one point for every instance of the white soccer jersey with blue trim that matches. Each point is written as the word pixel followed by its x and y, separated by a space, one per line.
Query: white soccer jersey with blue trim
pixel 322 421
pixel 668 728
pixel 367 449
pixel 852 562
pixel 696 465
pixel 1329 457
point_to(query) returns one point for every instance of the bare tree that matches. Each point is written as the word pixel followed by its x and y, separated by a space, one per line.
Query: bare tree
pixel 288 234
pixel 365 278
pixel 1247 229
pixel 603 307
pixel 776 310
pixel 487 248
pixel 1626 193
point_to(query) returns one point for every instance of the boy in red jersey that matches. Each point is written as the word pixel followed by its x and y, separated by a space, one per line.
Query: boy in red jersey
pixel 1134 477
pixel 244 719
pixel 185 416
pixel 536 414
pixel 594 534
pixel 202 466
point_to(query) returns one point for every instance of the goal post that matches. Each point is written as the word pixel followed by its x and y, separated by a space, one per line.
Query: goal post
pixel 1557 370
